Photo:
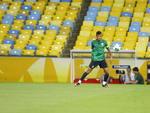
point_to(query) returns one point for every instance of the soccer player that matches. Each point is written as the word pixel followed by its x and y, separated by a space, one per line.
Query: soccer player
pixel 97 58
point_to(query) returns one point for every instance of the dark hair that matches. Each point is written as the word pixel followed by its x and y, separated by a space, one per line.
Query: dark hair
pixel 98 32
pixel 136 69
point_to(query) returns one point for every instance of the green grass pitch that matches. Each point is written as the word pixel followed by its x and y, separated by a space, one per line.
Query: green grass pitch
pixel 65 98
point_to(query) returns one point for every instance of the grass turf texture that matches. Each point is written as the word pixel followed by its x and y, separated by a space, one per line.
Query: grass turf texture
pixel 65 98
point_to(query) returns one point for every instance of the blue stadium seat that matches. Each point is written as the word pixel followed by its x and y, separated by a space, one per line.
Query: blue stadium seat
pixel 113 19
pixel 94 14
pixel 112 23
pixel 15 52
pixel 97 1
pixel 28 27
pixel 127 14
pixel 93 9
pixel 21 17
pixel 26 7
pixel 105 9
pixel 35 12
pixel 134 29
pixel 7 21
pixel 54 27
pixel 8 41
pixel 3 7
pixel 144 34
pixel 31 47
pixel 66 0
pixel 41 27
pixel 55 0
pixel 14 32
pixel 33 17
pixel 8 16
pixel 148 10
pixel 89 18
pixel 68 23
pixel 136 24
pixel 98 23
pixel 19 1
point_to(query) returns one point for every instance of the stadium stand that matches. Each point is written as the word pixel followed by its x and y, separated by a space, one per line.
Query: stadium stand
pixel 125 24
pixel 37 27
pixel 49 27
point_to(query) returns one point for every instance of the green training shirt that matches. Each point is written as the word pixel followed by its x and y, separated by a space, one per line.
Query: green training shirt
pixel 139 78
pixel 98 47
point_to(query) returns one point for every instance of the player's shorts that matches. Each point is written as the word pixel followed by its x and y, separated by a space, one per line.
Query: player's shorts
pixel 102 64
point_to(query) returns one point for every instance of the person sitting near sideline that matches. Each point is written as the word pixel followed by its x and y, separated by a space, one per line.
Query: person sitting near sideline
pixel 137 76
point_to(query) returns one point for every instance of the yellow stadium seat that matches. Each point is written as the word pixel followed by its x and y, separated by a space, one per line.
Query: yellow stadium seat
pixel 88 23
pixel 12 12
pixel 119 39
pixel 4 27
pixel 146 24
pixel 21 42
pixel 143 40
pixel 38 32
pixel 49 12
pixel 146 19
pixel 19 46
pixel 133 34
pixel 42 52
pixel 128 9
pixel 31 22
pixel 56 22
pixel 85 33
pixel 110 29
pixel 5 46
pixel 81 43
pixel 123 33
pixel 44 22
pixel 147 55
pixel 86 28
pixel 24 36
pixel 108 38
pixel 46 42
pixel 131 38
pixel 138 14
pixel 17 27
pixel 28 52
pixel 44 47
pixel 107 3
pixel 98 28
pixel 145 29
pixel 121 29
pixel 101 18
pixel 124 19
pixel 25 12
pixel 51 32
pixel 117 14
pixel 97 4
pixel 124 24
pixel 34 42
pixel 108 34
pixel 54 53
pixel 3 52
pixel 137 19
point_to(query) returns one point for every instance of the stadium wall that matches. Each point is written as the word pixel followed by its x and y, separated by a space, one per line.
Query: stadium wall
pixel 54 70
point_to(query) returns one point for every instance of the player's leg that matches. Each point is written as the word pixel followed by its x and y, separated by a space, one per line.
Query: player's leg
pixel 103 65
pixel 106 76
pixel 92 65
